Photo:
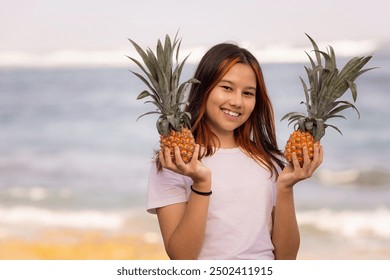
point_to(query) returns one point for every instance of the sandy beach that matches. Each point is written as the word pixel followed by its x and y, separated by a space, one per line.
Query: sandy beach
pixel 29 233
pixel 76 244
pixel 73 244
pixel 80 236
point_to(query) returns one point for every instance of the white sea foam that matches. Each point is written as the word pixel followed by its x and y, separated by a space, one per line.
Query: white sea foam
pixel 362 177
pixel 37 217
pixel 267 54
pixel 330 177
pixel 33 193
pixel 349 223
pixel 63 58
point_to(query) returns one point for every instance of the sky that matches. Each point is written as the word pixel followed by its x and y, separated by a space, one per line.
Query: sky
pixel 47 32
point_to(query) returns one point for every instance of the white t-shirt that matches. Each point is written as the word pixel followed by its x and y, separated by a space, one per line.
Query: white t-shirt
pixel 239 220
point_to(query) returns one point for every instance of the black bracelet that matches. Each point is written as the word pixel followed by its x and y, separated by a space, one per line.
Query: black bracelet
pixel 201 193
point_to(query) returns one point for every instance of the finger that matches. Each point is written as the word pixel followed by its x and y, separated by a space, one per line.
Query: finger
pixel 168 157
pixel 318 156
pixel 316 149
pixel 321 153
pixel 306 158
pixel 295 161
pixel 195 155
pixel 178 160
pixel 161 158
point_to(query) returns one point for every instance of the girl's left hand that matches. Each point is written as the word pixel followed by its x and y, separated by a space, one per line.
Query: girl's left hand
pixel 293 172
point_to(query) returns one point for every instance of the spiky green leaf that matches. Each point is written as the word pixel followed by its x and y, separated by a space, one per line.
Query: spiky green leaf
pixel 143 94
pixel 353 88
pixel 342 108
pixel 327 85
pixel 306 91
pixel 334 127
pixel 145 58
pixel 162 125
pixel 335 116
pixel 318 56
pixel 292 114
pixel 349 73
pixel 146 82
pixel 157 104
pixel 328 60
pixel 319 130
pixel 148 113
pixel 162 71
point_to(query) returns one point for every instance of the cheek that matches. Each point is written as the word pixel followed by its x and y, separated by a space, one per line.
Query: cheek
pixel 250 106
pixel 210 109
pixel 214 101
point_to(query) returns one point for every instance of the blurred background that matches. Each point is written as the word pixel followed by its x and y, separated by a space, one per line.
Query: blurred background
pixel 74 161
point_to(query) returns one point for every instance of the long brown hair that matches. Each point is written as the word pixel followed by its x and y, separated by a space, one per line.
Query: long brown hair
pixel 257 135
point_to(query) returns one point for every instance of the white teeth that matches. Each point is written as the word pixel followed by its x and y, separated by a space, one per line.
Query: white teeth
pixel 230 113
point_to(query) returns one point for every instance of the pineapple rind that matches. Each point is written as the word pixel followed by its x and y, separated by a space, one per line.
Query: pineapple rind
pixel 295 144
pixel 184 140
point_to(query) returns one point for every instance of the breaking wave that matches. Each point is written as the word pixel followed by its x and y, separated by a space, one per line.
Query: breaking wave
pixel 354 177
pixel 348 223
pixel 278 53
pixel 85 219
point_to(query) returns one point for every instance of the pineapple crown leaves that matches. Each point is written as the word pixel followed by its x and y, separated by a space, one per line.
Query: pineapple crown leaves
pixel 161 74
pixel 326 85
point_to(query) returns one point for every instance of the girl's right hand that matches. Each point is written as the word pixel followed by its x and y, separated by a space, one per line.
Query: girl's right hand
pixel 194 169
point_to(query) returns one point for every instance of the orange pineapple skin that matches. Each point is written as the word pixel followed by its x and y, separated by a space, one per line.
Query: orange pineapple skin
pixel 296 142
pixel 184 140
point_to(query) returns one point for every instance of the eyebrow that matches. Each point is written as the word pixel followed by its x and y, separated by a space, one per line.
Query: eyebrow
pixel 230 82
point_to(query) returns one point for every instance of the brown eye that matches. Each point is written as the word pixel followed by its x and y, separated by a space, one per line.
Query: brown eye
pixel 227 88
pixel 249 93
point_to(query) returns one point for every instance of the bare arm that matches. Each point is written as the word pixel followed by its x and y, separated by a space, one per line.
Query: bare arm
pixel 183 225
pixel 285 233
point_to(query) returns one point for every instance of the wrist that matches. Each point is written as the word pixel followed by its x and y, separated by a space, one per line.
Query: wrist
pixel 202 193
pixel 202 185
pixel 284 188
pixel 203 181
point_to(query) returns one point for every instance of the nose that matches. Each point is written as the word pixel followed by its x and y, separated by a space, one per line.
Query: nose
pixel 236 99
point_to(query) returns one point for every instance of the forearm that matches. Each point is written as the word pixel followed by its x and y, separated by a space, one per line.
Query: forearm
pixel 187 239
pixel 285 234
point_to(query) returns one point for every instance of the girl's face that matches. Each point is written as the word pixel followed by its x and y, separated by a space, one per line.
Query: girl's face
pixel 232 100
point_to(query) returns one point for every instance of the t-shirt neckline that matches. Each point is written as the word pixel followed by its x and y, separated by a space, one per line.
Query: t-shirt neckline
pixel 228 150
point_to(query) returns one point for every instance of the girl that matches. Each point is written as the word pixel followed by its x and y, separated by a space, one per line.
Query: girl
pixel 234 199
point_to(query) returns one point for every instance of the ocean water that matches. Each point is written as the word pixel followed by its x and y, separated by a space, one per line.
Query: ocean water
pixel 73 155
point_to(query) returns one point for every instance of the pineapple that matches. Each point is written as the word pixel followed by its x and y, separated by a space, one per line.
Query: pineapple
pixel 327 85
pixel 161 76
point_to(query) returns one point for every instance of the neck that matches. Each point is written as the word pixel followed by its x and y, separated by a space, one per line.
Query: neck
pixel 227 141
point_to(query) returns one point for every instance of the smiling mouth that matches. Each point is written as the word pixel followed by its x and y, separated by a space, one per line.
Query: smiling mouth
pixel 231 113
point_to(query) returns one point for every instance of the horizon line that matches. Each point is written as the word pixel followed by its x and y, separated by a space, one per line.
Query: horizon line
pixel 282 53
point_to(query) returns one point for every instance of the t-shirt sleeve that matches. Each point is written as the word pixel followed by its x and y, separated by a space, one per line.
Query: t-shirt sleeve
pixel 166 188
